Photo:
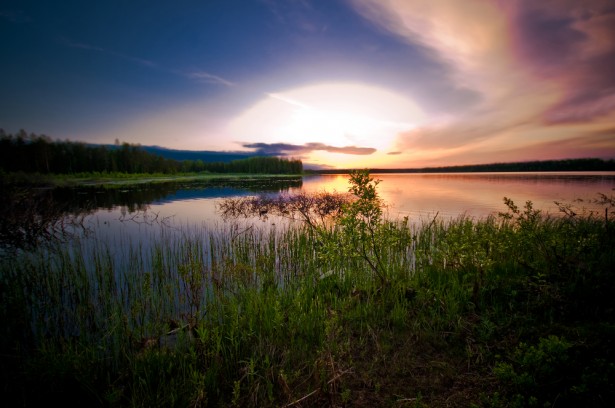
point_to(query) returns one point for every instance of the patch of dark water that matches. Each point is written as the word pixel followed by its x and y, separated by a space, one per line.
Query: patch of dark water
pixel 30 217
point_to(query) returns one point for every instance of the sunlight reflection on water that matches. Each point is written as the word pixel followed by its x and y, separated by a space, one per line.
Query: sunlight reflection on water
pixel 480 194
pixel 418 196
pixel 138 215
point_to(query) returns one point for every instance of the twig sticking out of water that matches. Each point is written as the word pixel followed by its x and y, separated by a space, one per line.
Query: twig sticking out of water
pixel 145 217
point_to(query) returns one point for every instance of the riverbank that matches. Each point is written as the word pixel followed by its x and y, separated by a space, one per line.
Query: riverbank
pixel 510 311
pixel 100 179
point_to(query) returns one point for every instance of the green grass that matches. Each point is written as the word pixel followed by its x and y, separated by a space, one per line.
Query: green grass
pixel 117 178
pixel 513 310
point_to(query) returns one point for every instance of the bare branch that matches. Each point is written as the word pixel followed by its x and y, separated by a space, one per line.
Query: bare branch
pixel 313 209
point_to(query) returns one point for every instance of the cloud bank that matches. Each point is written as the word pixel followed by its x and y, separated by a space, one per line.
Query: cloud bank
pixel 543 72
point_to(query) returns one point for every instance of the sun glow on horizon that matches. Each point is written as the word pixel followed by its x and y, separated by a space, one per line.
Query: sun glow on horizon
pixel 333 114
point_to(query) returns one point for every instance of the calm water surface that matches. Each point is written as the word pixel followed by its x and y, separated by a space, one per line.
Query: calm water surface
pixel 136 213
pixel 418 196
pixel 478 194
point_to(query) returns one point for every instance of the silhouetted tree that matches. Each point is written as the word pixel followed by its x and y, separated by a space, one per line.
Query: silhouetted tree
pixel 39 154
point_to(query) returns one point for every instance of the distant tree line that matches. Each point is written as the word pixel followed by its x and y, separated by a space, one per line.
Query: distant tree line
pixel 589 164
pixel 263 165
pixel 32 153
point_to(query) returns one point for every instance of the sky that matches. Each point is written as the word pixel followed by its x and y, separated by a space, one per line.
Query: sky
pixel 335 83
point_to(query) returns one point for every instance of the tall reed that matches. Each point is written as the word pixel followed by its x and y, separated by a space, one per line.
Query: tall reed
pixel 255 316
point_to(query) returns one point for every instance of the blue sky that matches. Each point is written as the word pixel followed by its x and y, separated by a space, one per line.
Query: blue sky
pixel 357 83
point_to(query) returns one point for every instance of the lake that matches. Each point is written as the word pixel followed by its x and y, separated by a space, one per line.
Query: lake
pixel 131 213
pixel 450 195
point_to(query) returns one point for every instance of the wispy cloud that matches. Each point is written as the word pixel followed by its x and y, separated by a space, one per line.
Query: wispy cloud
pixel 571 44
pixel 206 77
pixel 472 41
pixel 299 14
pixel 537 67
pixel 591 144
pixel 285 149
pixel 196 75
pixel 90 47
pixel 288 100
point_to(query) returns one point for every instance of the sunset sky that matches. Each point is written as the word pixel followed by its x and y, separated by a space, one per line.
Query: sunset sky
pixel 336 83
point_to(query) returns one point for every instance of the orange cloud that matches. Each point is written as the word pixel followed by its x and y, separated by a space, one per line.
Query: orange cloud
pixel 539 67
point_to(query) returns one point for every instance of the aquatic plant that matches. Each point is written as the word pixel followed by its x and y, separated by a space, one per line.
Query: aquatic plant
pixel 366 312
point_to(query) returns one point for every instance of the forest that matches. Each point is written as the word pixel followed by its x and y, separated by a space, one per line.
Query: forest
pixel 31 153
pixel 585 164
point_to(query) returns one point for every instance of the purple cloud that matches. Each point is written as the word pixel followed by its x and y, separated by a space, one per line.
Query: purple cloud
pixel 573 44
pixel 285 149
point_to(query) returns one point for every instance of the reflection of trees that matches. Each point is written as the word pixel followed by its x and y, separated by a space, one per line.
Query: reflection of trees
pixel 92 198
pixel 314 209
pixel 260 185
pixel 32 216
pixel 136 197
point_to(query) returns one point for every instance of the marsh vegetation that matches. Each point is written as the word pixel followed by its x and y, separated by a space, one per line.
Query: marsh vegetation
pixel 347 308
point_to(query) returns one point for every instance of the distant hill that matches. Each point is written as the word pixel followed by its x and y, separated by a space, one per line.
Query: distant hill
pixel 207 156
pixel 31 153
pixel 204 155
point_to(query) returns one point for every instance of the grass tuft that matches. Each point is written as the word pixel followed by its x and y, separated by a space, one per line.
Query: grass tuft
pixel 513 310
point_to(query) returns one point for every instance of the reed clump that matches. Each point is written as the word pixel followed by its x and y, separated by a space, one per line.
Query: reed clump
pixel 512 310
